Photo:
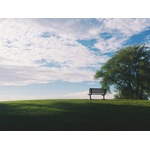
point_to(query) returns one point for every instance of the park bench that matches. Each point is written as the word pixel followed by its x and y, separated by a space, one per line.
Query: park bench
pixel 97 91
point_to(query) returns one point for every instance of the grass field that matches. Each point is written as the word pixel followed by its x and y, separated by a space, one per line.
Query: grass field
pixel 75 115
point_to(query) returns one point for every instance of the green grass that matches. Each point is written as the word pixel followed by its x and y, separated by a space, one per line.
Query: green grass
pixel 75 115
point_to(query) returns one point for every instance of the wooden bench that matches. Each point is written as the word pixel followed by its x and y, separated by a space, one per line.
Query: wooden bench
pixel 97 91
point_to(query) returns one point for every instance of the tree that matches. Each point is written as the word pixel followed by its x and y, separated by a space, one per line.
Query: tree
pixel 129 71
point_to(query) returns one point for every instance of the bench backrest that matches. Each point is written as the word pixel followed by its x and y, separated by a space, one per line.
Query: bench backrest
pixel 97 91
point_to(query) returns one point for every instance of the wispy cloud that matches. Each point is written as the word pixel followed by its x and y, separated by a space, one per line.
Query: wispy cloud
pixel 120 30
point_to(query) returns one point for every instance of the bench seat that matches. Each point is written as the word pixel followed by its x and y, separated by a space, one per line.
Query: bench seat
pixel 97 91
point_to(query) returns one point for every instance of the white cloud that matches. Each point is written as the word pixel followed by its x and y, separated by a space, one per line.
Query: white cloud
pixel 84 95
pixel 109 45
pixel 24 49
pixel 73 28
pixel 19 75
pixel 126 27
pixel 121 30
pixel 21 40
pixel 44 50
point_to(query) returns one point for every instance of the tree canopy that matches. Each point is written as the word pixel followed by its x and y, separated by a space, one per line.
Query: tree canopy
pixel 129 71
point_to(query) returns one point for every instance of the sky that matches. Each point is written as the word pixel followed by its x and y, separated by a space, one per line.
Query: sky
pixel 44 58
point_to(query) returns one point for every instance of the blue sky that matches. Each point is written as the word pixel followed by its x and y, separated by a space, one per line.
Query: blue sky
pixel 57 58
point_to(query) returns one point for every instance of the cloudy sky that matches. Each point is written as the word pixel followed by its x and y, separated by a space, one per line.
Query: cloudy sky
pixel 57 58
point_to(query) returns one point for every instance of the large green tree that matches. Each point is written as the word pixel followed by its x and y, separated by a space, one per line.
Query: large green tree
pixel 129 71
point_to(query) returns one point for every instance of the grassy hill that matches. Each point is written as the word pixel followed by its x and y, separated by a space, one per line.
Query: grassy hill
pixel 75 115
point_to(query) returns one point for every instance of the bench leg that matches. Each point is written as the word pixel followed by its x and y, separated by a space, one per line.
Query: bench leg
pixel 90 96
pixel 104 97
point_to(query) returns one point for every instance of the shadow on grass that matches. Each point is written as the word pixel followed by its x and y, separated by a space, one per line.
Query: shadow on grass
pixel 73 116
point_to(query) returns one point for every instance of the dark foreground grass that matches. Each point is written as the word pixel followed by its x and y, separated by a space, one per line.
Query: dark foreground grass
pixel 75 115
